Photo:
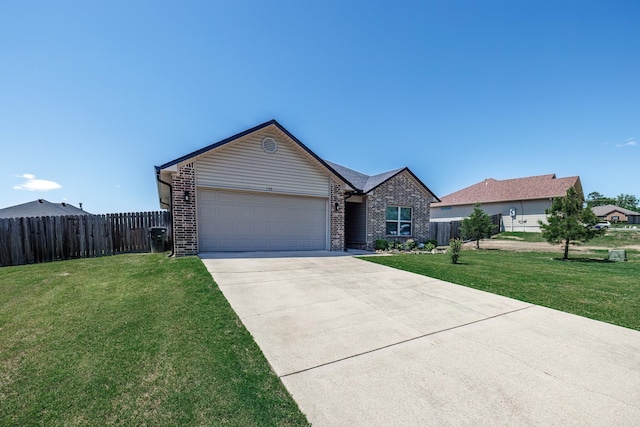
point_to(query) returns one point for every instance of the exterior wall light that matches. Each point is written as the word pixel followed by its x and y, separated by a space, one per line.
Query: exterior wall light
pixel 186 196
pixel 337 206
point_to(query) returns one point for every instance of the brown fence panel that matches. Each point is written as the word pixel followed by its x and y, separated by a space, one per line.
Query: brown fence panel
pixel 22 242
pixel 5 250
pixel 43 239
pixel 443 232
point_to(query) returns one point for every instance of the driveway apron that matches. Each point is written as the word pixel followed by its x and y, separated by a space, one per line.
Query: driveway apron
pixel 357 343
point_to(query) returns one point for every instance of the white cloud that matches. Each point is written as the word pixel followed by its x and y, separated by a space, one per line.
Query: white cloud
pixel 630 143
pixel 33 184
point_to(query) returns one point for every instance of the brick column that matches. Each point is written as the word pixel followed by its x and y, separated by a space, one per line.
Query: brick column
pixel 184 212
pixel 337 217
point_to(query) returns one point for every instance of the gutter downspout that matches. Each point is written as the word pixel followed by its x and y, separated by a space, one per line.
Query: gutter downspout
pixel 170 206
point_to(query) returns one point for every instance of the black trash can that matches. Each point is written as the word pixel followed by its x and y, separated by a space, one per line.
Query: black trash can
pixel 158 237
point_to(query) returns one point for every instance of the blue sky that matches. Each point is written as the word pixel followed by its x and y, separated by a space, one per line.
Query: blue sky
pixel 94 94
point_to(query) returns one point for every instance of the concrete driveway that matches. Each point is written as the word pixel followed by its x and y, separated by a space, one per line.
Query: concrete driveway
pixel 358 343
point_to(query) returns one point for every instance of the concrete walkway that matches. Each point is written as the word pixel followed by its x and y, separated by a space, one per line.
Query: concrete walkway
pixel 362 344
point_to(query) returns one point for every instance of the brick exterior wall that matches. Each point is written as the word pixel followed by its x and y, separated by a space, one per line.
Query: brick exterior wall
pixel 185 232
pixel 337 217
pixel 400 190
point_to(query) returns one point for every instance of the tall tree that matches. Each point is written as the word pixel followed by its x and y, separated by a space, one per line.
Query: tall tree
pixel 627 201
pixel 596 199
pixel 569 221
pixel 477 226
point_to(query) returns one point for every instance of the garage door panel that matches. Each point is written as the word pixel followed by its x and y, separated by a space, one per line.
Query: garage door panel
pixel 241 221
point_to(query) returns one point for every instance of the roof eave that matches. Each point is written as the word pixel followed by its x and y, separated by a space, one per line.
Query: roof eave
pixel 247 132
pixel 217 144
pixel 314 155
pixel 522 199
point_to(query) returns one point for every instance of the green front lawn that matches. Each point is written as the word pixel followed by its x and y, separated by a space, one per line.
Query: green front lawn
pixel 612 239
pixel 130 340
pixel 617 238
pixel 585 286
pixel 519 236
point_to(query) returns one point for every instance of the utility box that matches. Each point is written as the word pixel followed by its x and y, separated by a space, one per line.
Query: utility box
pixel 617 255
pixel 158 236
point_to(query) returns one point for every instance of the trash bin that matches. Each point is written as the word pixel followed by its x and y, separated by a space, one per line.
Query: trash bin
pixel 158 236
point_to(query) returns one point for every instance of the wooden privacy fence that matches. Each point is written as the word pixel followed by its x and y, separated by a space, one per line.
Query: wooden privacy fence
pixel 53 238
pixel 443 232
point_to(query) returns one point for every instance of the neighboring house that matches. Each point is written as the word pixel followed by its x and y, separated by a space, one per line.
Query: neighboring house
pixel 41 207
pixel 521 201
pixel 264 190
pixel 616 214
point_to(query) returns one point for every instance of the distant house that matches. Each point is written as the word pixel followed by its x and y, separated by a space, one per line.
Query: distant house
pixel 616 214
pixel 41 207
pixel 521 201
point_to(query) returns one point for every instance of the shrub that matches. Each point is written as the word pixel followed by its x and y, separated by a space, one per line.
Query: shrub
pixel 410 244
pixel 455 247
pixel 429 247
pixel 381 244
pixel 434 242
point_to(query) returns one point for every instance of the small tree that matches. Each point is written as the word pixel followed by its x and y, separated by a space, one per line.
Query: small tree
pixel 477 226
pixel 569 222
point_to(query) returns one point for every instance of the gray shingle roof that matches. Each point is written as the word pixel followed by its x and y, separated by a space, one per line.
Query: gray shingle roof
pixel 376 180
pixel 359 180
pixel 40 207
pixel 364 183
pixel 607 209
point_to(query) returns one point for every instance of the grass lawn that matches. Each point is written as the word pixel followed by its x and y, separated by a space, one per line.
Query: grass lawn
pixel 612 239
pixel 617 238
pixel 519 236
pixel 585 286
pixel 130 340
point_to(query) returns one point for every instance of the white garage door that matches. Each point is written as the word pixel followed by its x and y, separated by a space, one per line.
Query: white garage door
pixel 240 221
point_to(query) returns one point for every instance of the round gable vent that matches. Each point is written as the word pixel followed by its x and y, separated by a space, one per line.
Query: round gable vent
pixel 269 145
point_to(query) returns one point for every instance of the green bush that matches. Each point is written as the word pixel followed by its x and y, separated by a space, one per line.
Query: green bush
pixel 434 242
pixel 455 247
pixel 429 247
pixel 381 244
pixel 410 244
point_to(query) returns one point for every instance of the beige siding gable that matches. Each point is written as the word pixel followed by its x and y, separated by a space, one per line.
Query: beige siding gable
pixel 244 164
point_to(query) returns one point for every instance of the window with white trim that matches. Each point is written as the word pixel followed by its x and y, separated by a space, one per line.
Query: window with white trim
pixel 399 221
